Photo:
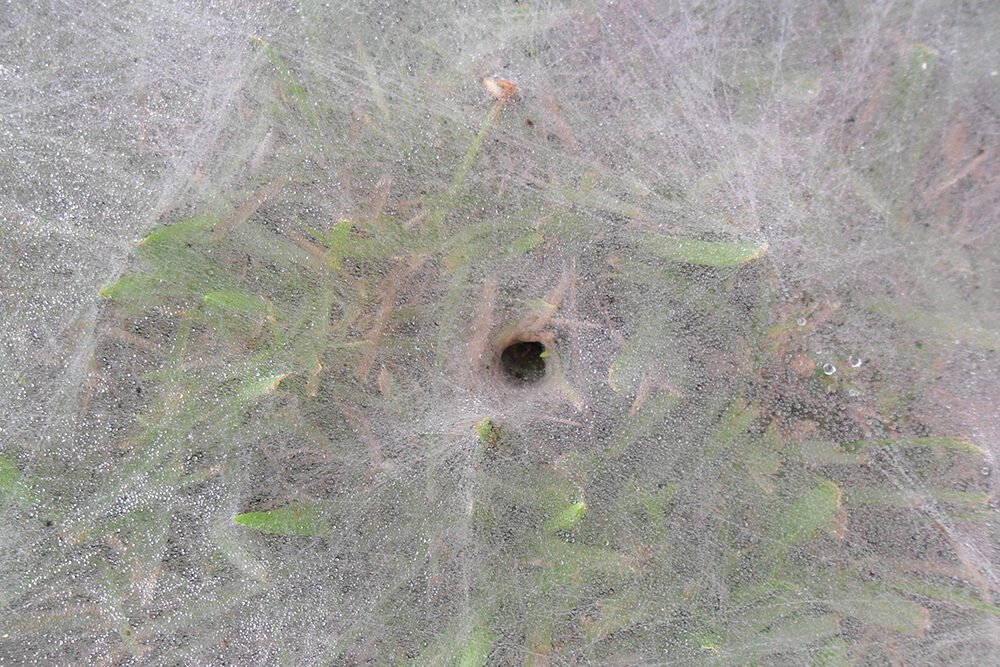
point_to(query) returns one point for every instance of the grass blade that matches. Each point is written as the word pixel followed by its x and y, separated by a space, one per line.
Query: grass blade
pixel 288 520
pixel 706 253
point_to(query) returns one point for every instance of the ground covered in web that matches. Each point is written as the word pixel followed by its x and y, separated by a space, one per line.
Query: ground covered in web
pixel 500 333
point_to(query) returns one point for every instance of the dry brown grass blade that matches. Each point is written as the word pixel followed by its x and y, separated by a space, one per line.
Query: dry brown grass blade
pixel 616 335
pixel 970 563
pixel 380 197
pixel 135 340
pixel 388 290
pixel 482 323
pixel 246 210
pixel 554 297
pixel 314 249
pixel 355 416
pixel 312 386
pixel 560 126
pixel 642 394
pixel 962 173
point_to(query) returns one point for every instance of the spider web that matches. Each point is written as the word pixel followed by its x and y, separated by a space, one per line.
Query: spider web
pixel 262 263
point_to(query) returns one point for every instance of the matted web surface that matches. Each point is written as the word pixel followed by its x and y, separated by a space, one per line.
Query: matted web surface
pixel 499 333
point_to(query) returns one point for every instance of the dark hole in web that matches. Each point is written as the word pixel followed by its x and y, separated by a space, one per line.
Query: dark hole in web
pixel 523 363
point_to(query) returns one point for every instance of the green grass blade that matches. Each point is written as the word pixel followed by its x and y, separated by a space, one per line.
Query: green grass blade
pixel 259 387
pixel 803 517
pixel 833 654
pixel 706 253
pixel 951 596
pixel 236 301
pixel 871 495
pixel 288 520
pixel 565 519
pixel 13 488
pixel 185 231
pixel 477 648
pixel 886 609
pixel 945 326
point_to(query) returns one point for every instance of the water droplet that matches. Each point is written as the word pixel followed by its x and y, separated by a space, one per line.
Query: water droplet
pixel 801 321
pixel 829 369
pixel 855 362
